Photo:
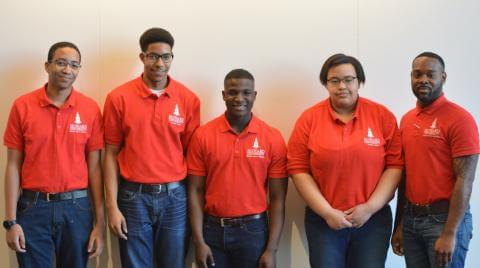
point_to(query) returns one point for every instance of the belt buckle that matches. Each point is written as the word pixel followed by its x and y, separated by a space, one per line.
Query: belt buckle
pixel 156 188
pixel 48 197
pixel 222 221
pixel 421 210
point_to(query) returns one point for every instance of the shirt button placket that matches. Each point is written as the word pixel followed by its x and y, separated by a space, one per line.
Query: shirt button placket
pixel 237 149
pixel 59 120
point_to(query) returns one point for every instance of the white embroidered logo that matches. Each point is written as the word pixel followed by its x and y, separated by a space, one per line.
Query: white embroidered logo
pixel 77 119
pixel 370 139
pixel 255 143
pixel 433 131
pixel 77 126
pixel 176 118
pixel 369 133
pixel 256 151
pixel 176 112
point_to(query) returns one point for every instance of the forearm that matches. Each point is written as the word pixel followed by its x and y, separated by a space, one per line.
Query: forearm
pixel 196 202
pixel 464 169
pixel 12 187
pixel 12 182
pixel 401 201
pixel 309 191
pixel 96 187
pixel 276 211
pixel 276 220
pixel 111 173
pixel 385 189
pixel 458 204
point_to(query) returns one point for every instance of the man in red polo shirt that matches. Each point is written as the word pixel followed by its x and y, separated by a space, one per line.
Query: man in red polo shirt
pixel 232 162
pixel 54 136
pixel 441 146
pixel 149 122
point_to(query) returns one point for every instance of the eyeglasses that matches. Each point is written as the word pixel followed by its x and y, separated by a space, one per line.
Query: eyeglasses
pixel 153 57
pixel 61 63
pixel 348 80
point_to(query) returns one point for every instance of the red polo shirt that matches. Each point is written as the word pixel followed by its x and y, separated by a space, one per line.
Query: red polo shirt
pixel 346 160
pixel 236 167
pixel 432 137
pixel 152 131
pixel 54 140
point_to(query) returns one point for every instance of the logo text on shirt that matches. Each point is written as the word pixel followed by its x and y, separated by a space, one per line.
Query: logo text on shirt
pixel 433 131
pixel 370 139
pixel 175 118
pixel 77 126
pixel 256 151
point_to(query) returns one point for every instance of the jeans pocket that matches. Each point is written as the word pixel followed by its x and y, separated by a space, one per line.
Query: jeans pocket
pixel 439 218
pixel 255 227
pixel 83 204
pixel 179 193
pixel 126 195
pixel 464 240
pixel 465 232
pixel 24 205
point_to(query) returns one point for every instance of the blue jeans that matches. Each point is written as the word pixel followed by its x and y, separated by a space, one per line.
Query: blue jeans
pixel 236 246
pixel 366 246
pixel 55 228
pixel 421 233
pixel 158 230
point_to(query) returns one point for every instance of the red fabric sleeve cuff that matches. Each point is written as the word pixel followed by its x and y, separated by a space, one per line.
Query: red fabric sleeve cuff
pixel 196 173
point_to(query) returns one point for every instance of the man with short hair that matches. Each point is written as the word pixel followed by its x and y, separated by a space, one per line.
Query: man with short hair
pixel 441 146
pixel 232 162
pixel 148 124
pixel 54 136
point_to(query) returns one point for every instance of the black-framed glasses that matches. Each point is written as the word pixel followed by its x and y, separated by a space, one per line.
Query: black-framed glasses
pixel 347 80
pixel 153 57
pixel 62 63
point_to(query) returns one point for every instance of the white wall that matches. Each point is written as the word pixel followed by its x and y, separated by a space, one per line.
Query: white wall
pixel 282 42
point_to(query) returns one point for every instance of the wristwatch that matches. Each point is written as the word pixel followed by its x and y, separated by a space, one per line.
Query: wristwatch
pixel 8 224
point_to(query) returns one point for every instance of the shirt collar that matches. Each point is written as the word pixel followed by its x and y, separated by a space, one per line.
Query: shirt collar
pixel 45 101
pixel 432 107
pixel 336 118
pixel 252 127
pixel 145 91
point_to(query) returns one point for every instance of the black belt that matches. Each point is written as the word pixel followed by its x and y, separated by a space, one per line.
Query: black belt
pixel 236 221
pixel 150 188
pixel 55 196
pixel 437 207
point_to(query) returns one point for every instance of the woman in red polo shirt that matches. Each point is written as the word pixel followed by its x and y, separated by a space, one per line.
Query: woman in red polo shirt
pixel 344 157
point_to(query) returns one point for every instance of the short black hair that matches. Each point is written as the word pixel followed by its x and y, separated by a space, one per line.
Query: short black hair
pixel 431 55
pixel 238 74
pixel 62 44
pixel 155 35
pixel 339 59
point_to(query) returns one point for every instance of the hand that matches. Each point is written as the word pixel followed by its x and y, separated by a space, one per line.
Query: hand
pixel 397 241
pixel 336 219
pixel 359 215
pixel 16 238
pixel 267 260
pixel 444 247
pixel 203 255
pixel 117 223
pixel 96 242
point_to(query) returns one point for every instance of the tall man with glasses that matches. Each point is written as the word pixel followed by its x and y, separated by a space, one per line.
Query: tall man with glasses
pixel 149 122
pixel 433 226
pixel 54 136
